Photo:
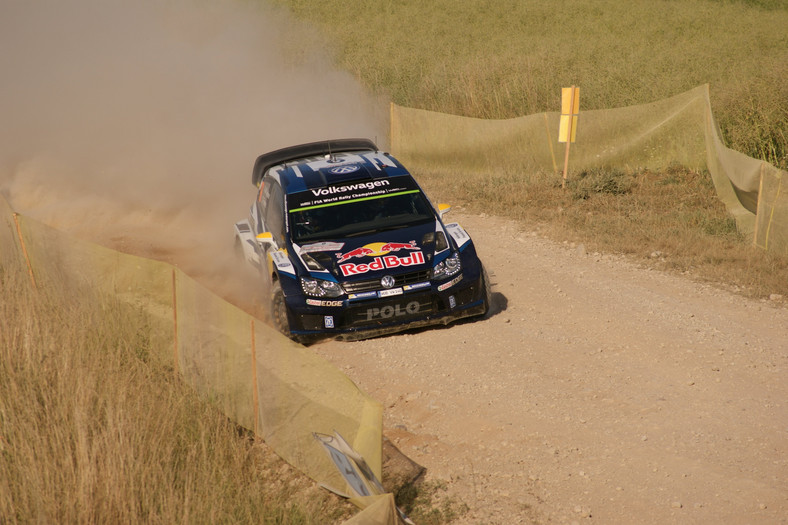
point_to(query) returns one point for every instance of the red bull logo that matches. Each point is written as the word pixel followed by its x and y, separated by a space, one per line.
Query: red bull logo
pixel 358 252
pixel 395 246
pixel 376 249
pixel 382 263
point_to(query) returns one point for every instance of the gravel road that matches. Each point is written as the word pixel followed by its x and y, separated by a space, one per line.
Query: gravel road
pixel 598 391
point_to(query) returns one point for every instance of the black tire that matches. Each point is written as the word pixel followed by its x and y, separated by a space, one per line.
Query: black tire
pixel 487 291
pixel 279 309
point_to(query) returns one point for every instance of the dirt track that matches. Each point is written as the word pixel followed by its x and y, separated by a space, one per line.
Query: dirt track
pixel 597 392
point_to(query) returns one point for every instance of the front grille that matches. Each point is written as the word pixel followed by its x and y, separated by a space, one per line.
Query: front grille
pixel 369 285
pixel 400 309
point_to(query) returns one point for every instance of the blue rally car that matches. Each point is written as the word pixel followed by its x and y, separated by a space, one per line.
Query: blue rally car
pixel 352 247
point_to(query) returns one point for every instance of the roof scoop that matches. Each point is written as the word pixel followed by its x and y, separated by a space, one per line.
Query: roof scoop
pixel 326 147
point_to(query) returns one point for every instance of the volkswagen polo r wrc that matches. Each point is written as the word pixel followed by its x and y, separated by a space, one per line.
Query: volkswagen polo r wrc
pixel 351 247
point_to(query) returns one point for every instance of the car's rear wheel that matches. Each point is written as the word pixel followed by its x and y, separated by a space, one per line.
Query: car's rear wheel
pixel 238 249
pixel 279 309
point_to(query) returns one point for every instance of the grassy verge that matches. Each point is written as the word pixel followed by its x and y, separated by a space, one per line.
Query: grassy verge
pixel 93 429
pixel 672 221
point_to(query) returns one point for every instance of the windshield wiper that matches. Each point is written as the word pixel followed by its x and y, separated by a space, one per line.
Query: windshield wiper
pixel 363 232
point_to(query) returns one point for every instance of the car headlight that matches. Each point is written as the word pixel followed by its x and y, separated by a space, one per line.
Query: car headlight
pixel 320 288
pixel 447 267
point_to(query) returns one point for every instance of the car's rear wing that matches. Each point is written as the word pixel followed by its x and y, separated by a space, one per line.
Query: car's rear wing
pixel 312 149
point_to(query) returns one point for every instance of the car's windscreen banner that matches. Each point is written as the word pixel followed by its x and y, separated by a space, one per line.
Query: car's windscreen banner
pixel 350 192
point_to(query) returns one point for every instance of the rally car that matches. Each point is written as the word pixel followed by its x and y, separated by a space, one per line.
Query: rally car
pixel 351 247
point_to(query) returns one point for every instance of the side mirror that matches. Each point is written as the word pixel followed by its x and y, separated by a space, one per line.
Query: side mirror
pixel 443 209
pixel 266 240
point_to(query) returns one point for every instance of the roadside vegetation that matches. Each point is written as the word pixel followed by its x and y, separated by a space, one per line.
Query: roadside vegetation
pixel 671 221
pixel 510 58
pixel 95 428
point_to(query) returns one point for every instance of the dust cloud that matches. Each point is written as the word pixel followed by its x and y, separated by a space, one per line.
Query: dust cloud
pixel 136 124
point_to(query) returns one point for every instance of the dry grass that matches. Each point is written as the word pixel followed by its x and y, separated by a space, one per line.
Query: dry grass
pixel 95 429
pixel 673 220
pixel 511 57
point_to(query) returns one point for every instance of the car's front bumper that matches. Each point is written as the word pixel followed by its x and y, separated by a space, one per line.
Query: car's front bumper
pixel 439 304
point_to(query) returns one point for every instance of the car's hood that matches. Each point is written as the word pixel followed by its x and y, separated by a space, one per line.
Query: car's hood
pixel 394 251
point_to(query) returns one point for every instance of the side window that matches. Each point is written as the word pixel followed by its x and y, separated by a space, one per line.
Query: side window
pixel 265 190
pixel 262 199
pixel 274 213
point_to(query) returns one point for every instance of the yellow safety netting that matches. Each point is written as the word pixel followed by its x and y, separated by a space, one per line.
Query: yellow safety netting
pixel 379 510
pixel 676 131
pixel 259 378
pixel 772 215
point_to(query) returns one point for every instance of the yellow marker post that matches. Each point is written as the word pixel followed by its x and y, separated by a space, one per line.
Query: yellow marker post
pixel 567 128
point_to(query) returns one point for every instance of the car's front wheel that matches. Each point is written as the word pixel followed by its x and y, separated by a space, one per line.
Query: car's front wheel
pixel 279 309
pixel 487 291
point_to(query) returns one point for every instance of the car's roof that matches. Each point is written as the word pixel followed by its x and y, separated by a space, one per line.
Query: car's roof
pixel 321 164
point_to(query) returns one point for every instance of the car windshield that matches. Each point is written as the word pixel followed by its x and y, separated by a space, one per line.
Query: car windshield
pixel 361 216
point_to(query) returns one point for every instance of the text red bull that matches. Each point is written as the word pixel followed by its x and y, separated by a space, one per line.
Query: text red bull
pixel 376 249
pixel 382 263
